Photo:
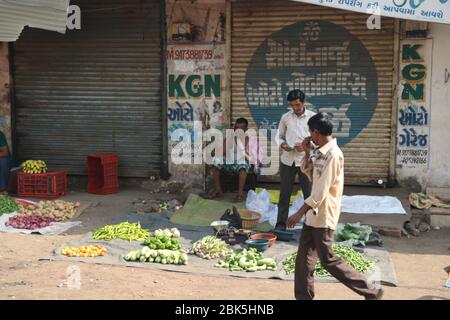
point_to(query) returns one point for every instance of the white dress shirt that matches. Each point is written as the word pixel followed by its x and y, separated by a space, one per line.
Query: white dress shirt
pixel 293 129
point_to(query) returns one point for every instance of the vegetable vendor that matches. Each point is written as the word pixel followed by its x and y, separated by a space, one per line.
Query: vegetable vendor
pixel 292 130
pixel 325 168
pixel 245 155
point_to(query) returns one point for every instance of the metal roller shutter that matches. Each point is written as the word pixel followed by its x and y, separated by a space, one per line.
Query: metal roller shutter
pixel 94 90
pixel 343 67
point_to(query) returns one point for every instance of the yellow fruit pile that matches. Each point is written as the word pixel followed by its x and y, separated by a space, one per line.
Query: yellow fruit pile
pixel 84 251
pixel 34 166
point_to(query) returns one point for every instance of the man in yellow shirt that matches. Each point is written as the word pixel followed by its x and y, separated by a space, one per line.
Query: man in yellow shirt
pixel 325 169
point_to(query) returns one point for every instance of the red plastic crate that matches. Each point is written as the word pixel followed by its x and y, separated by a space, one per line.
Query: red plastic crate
pixel 103 173
pixel 50 185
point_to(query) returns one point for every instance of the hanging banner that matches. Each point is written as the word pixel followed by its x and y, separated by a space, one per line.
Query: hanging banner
pixel 421 10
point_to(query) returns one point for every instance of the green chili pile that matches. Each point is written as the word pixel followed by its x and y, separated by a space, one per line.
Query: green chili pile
pixel 353 258
pixel 125 231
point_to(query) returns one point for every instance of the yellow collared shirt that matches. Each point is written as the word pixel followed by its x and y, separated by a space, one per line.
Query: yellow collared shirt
pixel 326 172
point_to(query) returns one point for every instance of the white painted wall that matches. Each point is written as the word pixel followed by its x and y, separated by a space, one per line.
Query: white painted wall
pixel 439 171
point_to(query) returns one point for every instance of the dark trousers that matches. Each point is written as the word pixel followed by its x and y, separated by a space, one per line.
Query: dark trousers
pixel 317 243
pixel 287 177
pixel 5 165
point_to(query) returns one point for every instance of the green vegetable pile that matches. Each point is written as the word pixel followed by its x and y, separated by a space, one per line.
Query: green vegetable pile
pixel 210 247
pixel 352 234
pixel 8 205
pixel 162 242
pixel 353 258
pixel 157 256
pixel 247 260
pixel 125 231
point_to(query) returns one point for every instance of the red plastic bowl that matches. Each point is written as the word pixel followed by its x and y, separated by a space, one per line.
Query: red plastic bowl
pixel 271 237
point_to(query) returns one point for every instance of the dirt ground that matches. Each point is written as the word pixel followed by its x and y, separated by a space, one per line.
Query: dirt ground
pixel 418 262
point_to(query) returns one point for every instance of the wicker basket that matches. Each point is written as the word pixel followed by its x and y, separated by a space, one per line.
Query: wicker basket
pixel 249 218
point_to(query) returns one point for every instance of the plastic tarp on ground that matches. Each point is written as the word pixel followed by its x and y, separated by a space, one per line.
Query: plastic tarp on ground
pixel 117 249
pixel 54 228
pixel 201 212
pixel 262 202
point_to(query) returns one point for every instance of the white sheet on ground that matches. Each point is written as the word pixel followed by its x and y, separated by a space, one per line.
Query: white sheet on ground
pixel 260 202
pixel 54 228
pixel 372 205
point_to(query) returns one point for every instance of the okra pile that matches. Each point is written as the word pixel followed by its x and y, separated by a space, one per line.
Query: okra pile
pixel 352 257
pixel 247 260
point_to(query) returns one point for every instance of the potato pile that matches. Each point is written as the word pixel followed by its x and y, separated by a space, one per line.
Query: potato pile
pixel 59 209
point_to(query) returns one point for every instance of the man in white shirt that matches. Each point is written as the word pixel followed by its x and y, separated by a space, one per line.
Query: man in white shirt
pixel 292 130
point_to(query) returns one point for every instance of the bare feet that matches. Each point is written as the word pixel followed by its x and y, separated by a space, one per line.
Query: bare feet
pixel 216 194
pixel 240 197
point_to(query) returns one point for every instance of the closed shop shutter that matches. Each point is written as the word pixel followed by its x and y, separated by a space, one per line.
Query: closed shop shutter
pixel 94 90
pixel 344 68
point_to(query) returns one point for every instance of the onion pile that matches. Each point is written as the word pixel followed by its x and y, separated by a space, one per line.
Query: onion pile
pixel 29 222
pixel 210 247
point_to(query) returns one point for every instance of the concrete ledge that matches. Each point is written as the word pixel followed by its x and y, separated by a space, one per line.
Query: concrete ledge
pixel 377 221
pixel 440 217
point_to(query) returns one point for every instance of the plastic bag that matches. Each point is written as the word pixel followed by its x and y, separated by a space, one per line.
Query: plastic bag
pixel 261 203
pixel 352 234
pixel 298 203
pixel 233 217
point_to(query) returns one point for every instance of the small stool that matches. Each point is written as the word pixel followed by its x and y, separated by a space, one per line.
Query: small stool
pixel 103 173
